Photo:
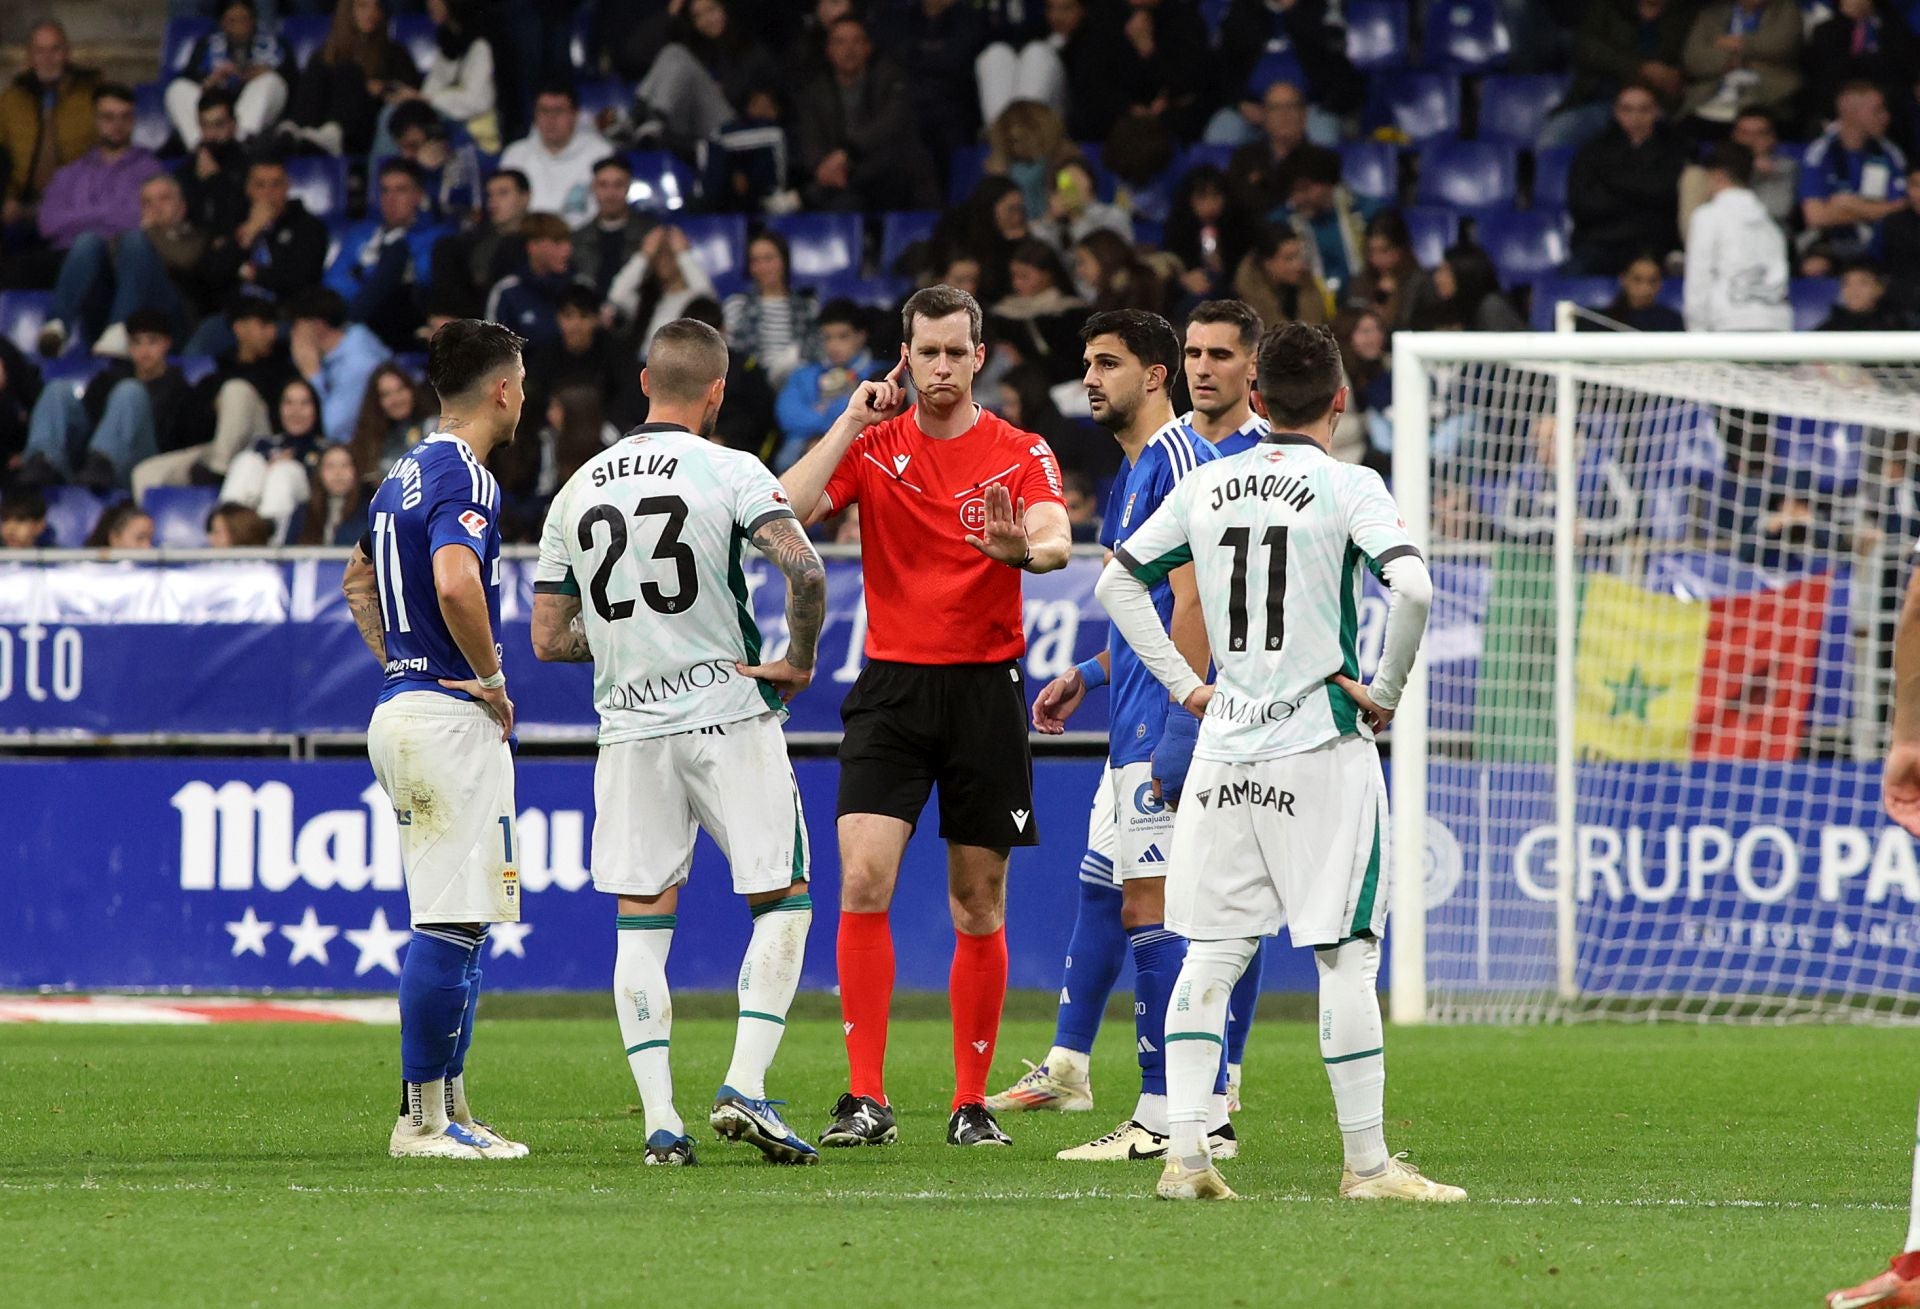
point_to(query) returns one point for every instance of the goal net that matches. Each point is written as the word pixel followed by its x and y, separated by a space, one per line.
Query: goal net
pixel 1637 771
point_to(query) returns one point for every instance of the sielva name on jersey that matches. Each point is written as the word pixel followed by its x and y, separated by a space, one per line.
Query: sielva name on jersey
pixel 657 690
pixel 652 465
pixel 1271 486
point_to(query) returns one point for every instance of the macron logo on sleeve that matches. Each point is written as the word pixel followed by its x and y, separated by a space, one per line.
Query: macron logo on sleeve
pixel 476 525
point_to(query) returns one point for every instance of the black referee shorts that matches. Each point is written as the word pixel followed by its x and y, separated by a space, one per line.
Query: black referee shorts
pixel 961 727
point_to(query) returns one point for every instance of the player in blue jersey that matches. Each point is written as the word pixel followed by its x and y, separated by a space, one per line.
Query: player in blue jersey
pixel 424 586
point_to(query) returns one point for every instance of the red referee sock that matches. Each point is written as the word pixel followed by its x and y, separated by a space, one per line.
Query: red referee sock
pixel 865 949
pixel 977 990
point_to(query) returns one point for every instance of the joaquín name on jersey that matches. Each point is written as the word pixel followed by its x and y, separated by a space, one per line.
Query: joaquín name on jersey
pixel 649 534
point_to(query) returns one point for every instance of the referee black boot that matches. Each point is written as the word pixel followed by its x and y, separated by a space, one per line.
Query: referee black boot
pixel 973 1124
pixel 860 1120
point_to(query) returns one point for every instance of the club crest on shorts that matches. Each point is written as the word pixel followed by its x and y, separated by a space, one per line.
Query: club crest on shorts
pixel 476 525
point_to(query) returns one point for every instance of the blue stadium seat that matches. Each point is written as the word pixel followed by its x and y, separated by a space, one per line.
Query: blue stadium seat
pixel 151 126
pixel 1826 454
pixel 1423 106
pixel 195 368
pixel 1513 106
pixel 1377 33
pixel 75 369
pixel 71 513
pixel 660 180
pixel 1148 233
pixel 320 183
pixel 965 168
pixel 304 34
pixel 901 229
pixel 872 292
pixel 22 313
pixel 1466 175
pixel 1467 35
pixel 415 32
pixel 1524 244
pixel 604 93
pixel 822 244
pixel 1673 294
pixel 180 514
pixel 414 362
pixel 178 41
pixel 1592 292
pixel 719 241
pixel 1550 169
pixel 1371 169
pixel 1812 299
pixel 1432 230
pixel 1275 66
pixel 1205 153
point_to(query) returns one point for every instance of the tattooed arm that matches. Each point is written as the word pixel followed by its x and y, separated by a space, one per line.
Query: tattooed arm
pixel 782 540
pixel 363 599
pixel 558 634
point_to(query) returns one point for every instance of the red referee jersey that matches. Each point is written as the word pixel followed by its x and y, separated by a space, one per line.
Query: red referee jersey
pixel 931 597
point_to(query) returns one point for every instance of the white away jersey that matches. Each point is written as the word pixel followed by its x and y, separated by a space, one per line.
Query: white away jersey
pixel 649 533
pixel 1277 535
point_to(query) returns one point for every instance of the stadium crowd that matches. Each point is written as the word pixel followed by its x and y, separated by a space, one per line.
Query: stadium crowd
pixel 217 287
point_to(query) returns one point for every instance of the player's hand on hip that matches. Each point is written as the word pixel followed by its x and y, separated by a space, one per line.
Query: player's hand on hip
pixel 495 699
pixel 786 680
pixel 1376 717
pixel 1005 535
pixel 1196 703
pixel 1057 701
pixel 875 402
pixel 1900 787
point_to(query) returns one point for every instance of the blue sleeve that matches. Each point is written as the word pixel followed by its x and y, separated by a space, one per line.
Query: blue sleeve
pixel 1816 179
pixel 340 273
pixel 794 409
pixel 454 516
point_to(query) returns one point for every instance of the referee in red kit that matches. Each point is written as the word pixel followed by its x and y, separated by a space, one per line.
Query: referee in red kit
pixel 954 505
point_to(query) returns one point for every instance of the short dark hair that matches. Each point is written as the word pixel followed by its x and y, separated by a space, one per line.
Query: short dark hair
pixel 1755 111
pixel 1147 336
pixel 149 321
pixel 216 97
pixel 255 307
pixel 558 86
pixel 322 302
pixel 844 312
pixel 245 526
pixel 1313 163
pixel 580 298
pixel 686 357
pixel 1237 313
pixel 545 227
pixel 933 302
pixel 22 504
pixel 465 351
pixel 1733 159
pixel 1863 265
pixel 413 171
pixel 1300 373
pixel 114 91
pixel 621 162
pixel 409 114
pixel 514 175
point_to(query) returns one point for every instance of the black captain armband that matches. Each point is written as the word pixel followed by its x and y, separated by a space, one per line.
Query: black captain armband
pixel 366 544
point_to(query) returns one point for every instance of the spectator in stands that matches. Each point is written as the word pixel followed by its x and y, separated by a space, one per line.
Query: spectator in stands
pixel 817 393
pixel 335 511
pixel 46 122
pixel 1620 43
pixel 1624 188
pixel 1391 281
pixel 99 193
pixel 277 251
pixel 746 421
pixel 1363 338
pixel 1163 68
pixel 1862 305
pixel 856 136
pixel 1083 506
pixel 1740 54
pixel 583 353
pixel 383 268
pixel 459 83
pixel 468 264
pixel 658 284
pixel 1607 503
pixel 1207 231
pixel 238 393
pixel 1276 278
pixel 1259 175
pixel 449 173
pixel 133 410
pixel 238 59
pixel 1736 255
pixel 696 67
pixel 1637 303
pixel 273 474
pixel 1075 209
pixel 937 41
pixel 336 104
pixel 1023 396
pixel 1028 143
pixel 1776 175
pixel 1042 316
pixel 1866 41
pixel 1469 296
pixel 1108 273
pixel 1331 218
pixel 236 527
pixel 770 320
pixel 19 388
pixel 528 302
pixel 396 414
pixel 603 244
pixel 1317 43
pixel 122 526
pixel 23 520
pixel 558 156
pixel 335 356
pixel 987 227
pixel 1900 248
pixel 576 429
pixel 103 280
pixel 962 272
pixel 1850 178
pixel 214 180
pixel 1005 75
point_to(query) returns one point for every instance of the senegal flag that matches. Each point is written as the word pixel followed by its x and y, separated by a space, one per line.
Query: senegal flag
pixel 1637 673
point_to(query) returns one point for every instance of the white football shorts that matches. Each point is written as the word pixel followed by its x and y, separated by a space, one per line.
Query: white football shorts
pixel 450 777
pixel 1129 831
pixel 652 796
pixel 1298 842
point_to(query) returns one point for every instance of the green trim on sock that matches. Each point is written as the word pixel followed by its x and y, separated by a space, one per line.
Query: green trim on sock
pixel 793 904
pixel 765 1018
pixel 645 1045
pixel 1194 1036
pixel 645 922
pixel 1358 1054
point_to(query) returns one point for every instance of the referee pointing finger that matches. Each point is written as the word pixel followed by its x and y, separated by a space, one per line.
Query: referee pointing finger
pixel 954 504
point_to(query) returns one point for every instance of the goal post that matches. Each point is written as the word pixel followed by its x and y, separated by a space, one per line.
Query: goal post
pixel 1663 567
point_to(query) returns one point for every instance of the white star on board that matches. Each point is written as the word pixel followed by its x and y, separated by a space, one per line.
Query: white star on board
pixel 508 938
pixel 250 935
pixel 378 944
pixel 309 937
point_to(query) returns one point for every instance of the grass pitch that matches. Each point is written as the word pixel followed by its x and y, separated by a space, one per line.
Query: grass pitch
pixel 1608 1166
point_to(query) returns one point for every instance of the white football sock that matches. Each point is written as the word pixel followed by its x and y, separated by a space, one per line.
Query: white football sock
pixel 427 1106
pixel 769 974
pixel 1913 1204
pixel 1217 1112
pixel 1351 1045
pixel 641 999
pixel 458 1110
pixel 1196 1034
pixel 1150 1111
pixel 1068 1065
